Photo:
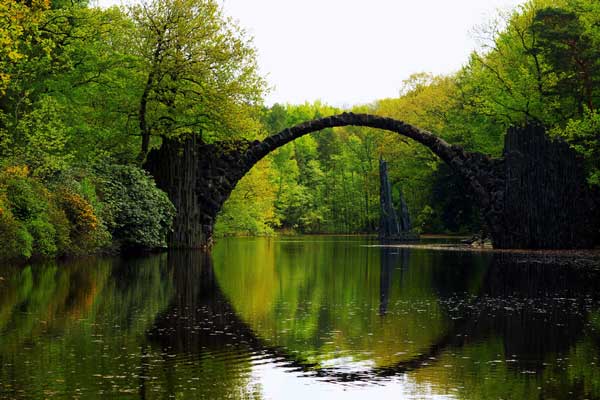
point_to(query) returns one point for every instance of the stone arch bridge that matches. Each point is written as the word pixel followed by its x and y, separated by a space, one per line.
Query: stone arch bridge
pixel 535 196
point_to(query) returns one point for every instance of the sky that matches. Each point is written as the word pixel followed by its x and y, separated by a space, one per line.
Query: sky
pixel 349 52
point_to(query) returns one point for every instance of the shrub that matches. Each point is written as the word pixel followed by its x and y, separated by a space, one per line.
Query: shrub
pixel 38 223
pixel 16 241
pixel 428 221
pixel 20 200
pixel 27 197
pixel 28 201
pixel 87 232
pixel 79 212
pixel 71 218
pixel 24 242
pixel 44 237
pixel 137 213
pixel 62 226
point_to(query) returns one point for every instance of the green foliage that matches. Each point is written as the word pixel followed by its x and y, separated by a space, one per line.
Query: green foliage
pixel 25 230
pixel 37 223
pixel 17 32
pixel 137 213
pixel 16 240
pixel 82 85
pixel 200 71
pixel 87 231
pixel 324 182
pixel 250 210
pixel 44 237
pixel 570 53
pixel 427 220
pixel 328 182
pixel 584 136
pixel 62 227
pixel 44 137
pixel 23 244
pixel 73 83
pixel 26 197
pixel 540 62
pixel 543 65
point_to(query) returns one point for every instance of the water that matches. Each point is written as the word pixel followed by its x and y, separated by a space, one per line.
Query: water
pixel 303 318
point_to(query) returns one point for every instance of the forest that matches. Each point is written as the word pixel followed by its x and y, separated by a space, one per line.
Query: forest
pixel 86 93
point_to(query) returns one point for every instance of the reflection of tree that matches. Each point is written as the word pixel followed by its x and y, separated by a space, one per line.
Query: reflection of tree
pixel 160 326
pixel 539 306
pixel 45 297
pixel 65 326
pixel 528 313
pixel 529 310
pixel 533 335
pixel 180 327
pixel 326 299
pixel 202 322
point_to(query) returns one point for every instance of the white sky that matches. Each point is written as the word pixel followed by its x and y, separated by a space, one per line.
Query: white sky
pixel 346 52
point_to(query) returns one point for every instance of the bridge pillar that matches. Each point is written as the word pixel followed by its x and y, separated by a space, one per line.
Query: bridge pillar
pixel 545 202
pixel 198 178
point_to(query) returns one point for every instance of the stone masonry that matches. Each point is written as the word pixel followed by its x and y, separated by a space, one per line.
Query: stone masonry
pixel 200 177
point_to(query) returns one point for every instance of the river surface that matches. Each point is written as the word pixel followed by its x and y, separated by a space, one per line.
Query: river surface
pixel 303 318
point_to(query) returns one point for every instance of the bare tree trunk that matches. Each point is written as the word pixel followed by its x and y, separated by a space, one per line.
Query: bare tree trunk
pixel 144 131
pixel 142 112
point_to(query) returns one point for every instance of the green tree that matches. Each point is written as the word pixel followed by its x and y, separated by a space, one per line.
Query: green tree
pixel 251 208
pixel 584 136
pixel 201 73
pixel 18 30
pixel 572 55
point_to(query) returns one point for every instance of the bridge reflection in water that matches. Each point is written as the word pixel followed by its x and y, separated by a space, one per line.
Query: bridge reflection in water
pixel 302 317
pixel 354 314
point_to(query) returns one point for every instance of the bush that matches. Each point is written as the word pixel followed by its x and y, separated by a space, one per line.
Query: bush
pixel 137 213
pixel 16 240
pixel 24 242
pixel 72 218
pixel 44 237
pixel 22 201
pixel 428 221
pixel 87 232
pixel 62 226
pixel 27 197
pixel 35 222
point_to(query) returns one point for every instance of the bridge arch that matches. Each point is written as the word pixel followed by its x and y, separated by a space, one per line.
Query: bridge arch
pixel 534 197
pixel 466 164
pixel 200 177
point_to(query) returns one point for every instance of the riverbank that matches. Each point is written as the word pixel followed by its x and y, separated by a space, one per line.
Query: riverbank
pixel 584 258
